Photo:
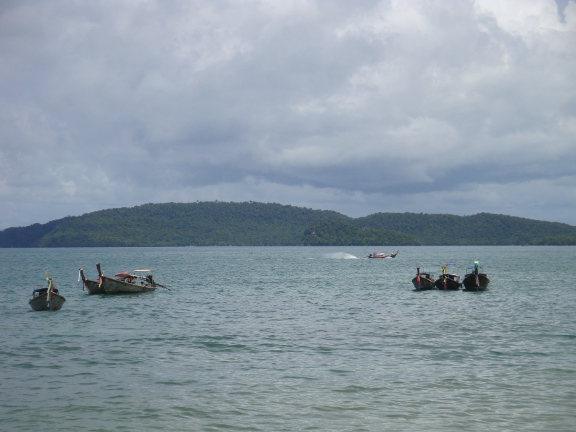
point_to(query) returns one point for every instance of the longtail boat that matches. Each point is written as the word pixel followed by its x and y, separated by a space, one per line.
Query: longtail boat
pixel 122 283
pixel 448 281
pixel 423 280
pixel 46 298
pixel 475 279
pixel 382 255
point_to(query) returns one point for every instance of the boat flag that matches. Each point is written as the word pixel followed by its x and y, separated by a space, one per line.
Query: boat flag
pixel 49 293
pixel 476 273
pixel 81 276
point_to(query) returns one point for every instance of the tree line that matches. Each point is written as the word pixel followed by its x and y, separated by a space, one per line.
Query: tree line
pixel 272 224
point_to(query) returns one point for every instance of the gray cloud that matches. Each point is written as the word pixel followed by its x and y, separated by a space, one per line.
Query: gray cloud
pixel 451 107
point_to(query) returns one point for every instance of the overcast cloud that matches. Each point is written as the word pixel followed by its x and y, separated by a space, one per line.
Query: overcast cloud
pixel 430 106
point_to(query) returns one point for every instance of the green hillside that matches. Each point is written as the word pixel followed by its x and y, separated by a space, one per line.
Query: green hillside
pixel 259 224
pixel 174 224
pixel 478 229
pixel 325 232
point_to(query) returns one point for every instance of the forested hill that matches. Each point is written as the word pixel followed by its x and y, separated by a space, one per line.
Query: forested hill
pixel 259 224
pixel 174 224
pixel 478 229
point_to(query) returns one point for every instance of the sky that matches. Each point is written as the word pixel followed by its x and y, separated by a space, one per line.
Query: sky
pixel 431 106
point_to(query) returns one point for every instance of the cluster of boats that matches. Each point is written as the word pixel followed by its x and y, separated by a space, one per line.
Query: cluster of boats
pixel 49 298
pixel 475 279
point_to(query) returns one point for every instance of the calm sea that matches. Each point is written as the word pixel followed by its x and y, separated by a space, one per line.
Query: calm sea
pixel 290 339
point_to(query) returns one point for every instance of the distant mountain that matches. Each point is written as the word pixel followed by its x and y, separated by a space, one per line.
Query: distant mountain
pixel 478 229
pixel 325 232
pixel 259 224
pixel 174 224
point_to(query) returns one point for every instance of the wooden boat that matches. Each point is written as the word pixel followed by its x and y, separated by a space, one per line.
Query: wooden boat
pixel 475 279
pixel 382 255
pixel 448 281
pixel 423 280
pixel 46 298
pixel 122 283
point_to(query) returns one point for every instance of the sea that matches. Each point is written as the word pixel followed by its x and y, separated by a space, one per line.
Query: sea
pixel 290 339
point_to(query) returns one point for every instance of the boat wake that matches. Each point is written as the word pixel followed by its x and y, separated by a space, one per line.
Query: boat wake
pixel 341 255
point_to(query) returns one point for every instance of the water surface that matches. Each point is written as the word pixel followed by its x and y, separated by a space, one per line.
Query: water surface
pixel 290 338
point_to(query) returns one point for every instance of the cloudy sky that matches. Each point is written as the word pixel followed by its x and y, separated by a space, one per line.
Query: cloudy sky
pixel 434 106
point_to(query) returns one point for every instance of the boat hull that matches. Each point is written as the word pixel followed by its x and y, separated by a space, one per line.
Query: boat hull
pixel 473 283
pixel 93 287
pixel 115 286
pixel 448 283
pixel 425 283
pixel 382 255
pixel 40 303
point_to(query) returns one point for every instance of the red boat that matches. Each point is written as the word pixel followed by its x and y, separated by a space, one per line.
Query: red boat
pixel 382 255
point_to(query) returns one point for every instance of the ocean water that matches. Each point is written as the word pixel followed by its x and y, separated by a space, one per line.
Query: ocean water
pixel 290 339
